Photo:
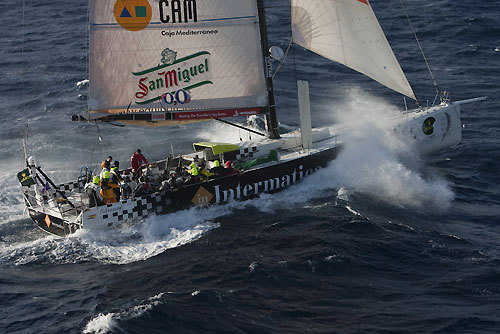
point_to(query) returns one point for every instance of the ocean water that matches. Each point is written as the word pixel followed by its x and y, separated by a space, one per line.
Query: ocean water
pixel 381 241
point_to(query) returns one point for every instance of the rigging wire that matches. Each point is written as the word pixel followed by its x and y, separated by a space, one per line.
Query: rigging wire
pixel 439 92
pixel 465 120
pixel 282 60
pixel 87 67
pixel 26 116
pixel 87 72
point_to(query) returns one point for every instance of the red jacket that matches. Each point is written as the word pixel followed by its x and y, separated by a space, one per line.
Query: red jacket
pixel 136 161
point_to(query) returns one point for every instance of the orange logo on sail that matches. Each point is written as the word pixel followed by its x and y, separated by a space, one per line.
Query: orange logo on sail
pixel 133 15
pixel 364 1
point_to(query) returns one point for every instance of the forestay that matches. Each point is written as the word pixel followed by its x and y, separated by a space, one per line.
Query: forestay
pixel 347 31
pixel 194 59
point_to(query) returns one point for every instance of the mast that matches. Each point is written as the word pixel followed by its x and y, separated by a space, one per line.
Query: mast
pixel 271 118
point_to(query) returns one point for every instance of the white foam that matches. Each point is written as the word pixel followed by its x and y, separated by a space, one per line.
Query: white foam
pixel 146 239
pixel 375 162
pixel 11 203
pixel 101 324
pixel 82 83
pixel 106 322
pixel 117 246
pixel 378 162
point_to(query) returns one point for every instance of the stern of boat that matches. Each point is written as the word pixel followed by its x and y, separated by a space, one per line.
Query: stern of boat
pixel 53 224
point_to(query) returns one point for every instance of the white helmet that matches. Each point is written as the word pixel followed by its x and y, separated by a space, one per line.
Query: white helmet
pixel 31 161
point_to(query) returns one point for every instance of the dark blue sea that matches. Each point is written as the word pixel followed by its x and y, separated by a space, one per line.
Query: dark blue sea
pixel 382 241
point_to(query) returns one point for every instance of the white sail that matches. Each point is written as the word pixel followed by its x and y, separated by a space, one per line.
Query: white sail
pixel 158 55
pixel 347 31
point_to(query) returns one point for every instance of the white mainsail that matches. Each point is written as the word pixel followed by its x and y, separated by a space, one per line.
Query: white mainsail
pixel 347 31
pixel 158 55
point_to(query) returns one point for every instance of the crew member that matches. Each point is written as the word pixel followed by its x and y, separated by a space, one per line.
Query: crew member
pixel 93 191
pixel 229 168
pixel 108 159
pixel 106 167
pixel 106 189
pixel 143 188
pixel 217 169
pixel 136 160
pixel 116 179
pixel 194 172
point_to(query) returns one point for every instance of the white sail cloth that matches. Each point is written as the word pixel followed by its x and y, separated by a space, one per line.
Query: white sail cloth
pixel 150 56
pixel 347 31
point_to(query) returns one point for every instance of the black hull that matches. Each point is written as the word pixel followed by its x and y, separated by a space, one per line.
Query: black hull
pixel 53 225
pixel 241 186
pixel 246 185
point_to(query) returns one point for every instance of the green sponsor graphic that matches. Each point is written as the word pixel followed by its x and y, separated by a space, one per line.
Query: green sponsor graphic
pixel 175 62
pixel 428 126
pixel 166 80
pixel 140 11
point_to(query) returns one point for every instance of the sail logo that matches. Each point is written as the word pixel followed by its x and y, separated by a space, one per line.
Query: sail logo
pixel 177 11
pixel 133 15
pixel 172 81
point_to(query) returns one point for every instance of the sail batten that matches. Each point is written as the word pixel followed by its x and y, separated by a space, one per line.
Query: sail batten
pixel 153 56
pixel 347 32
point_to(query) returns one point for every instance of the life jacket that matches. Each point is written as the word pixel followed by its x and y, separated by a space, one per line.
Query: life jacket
pixel 107 191
pixel 104 170
pixel 207 172
pixel 114 179
pixel 194 169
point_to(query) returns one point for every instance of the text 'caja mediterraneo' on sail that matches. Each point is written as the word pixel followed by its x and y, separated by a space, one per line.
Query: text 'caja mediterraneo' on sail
pixel 192 58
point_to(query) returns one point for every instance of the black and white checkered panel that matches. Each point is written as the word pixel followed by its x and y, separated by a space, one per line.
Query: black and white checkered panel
pixel 141 208
pixel 246 152
pixel 69 186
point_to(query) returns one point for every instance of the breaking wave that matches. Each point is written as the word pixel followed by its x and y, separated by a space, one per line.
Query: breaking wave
pixel 103 323
pixel 374 162
pixel 378 162
pixel 126 244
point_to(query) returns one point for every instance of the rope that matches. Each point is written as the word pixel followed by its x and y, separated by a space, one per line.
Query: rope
pixel 283 60
pixel 421 51
pixel 473 111
pixel 92 155
pixel 100 138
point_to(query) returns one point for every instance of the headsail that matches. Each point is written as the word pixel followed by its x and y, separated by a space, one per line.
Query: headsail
pixel 176 60
pixel 347 31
